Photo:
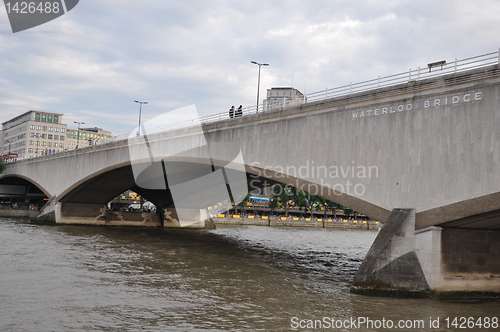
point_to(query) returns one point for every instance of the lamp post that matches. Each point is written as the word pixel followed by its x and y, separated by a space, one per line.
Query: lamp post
pixel 78 133
pixel 258 82
pixel 140 111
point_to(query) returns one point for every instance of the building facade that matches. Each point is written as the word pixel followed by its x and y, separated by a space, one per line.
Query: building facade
pixel 87 136
pixel 37 133
pixel 281 97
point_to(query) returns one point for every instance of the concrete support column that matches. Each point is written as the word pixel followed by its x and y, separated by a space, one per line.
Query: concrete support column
pixel 189 218
pixel 450 263
pixel 391 266
pixel 428 249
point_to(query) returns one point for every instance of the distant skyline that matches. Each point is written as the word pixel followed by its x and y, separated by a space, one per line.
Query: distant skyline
pixel 92 63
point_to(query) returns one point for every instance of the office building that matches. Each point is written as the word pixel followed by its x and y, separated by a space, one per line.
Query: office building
pixel 281 97
pixel 37 133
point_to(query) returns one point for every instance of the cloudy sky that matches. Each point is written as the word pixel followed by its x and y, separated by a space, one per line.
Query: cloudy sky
pixel 91 63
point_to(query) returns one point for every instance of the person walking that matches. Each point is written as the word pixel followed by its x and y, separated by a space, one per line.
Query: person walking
pixel 231 112
pixel 239 111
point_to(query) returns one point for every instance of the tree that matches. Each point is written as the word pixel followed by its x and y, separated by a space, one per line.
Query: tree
pixel 334 207
pixel 2 166
pixel 307 201
pixel 348 212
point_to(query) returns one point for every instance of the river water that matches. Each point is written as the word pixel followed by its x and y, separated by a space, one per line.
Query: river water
pixel 248 278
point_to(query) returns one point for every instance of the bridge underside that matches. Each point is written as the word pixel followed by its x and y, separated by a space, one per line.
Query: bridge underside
pixel 21 193
pixel 489 220
pixel 85 202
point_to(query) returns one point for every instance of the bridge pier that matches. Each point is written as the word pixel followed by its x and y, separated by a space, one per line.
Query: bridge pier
pixel 98 214
pixel 434 261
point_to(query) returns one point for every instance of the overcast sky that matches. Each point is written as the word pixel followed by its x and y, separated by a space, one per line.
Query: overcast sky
pixel 91 63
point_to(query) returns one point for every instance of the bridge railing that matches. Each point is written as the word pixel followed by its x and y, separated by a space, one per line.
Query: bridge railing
pixel 346 90
pixel 410 75
pixel 342 91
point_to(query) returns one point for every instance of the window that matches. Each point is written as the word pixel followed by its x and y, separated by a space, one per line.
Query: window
pixel 44 128
pixel 30 150
pixel 38 127
pixel 51 128
pixel 56 136
pixel 56 119
pixel 55 145
pixel 61 137
pixel 32 142
pixel 32 134
pixel 49 144
pixel 63 130
pixel 49 136
pixel 37 135
pixel 44 143
pixel 61 145
pixel 32 127
pixel 37 143
pixel 44 135
pixel 44 117
pixel 56 129
pixel 49 118
pixel 37 117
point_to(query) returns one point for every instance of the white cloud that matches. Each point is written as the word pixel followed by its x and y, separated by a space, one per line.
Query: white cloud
pixel 95 60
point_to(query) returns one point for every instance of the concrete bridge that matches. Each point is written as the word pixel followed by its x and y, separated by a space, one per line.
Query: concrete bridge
pixel 423 156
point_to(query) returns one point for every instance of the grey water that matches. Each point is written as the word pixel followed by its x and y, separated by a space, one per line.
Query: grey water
pixel 240 278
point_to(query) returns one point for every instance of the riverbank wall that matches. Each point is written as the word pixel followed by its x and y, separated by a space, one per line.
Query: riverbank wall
pixel 17 213
pixel 297 222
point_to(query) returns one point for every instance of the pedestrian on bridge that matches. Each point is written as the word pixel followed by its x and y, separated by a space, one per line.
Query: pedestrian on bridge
pixel 239 111
pixel 231 112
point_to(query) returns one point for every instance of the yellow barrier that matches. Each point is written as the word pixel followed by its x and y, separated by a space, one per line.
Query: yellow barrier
pixel 345 220
pixel 320 219
pixel 308 219
pixel 221 215
pixel 283 218
pixel 355 221
pixel 236 216
pixel 251 217
pixel 295 218
pixel 265 217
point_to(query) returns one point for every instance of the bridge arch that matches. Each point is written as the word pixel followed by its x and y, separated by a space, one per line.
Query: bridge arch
pixel 105 184
pixel 33 192
pixel 340 197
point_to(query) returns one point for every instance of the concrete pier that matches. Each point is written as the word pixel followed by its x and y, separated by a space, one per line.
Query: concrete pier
pixel 434 261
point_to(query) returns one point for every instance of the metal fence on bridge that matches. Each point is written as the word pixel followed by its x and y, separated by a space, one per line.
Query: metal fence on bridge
pixel 425 72
pixel 429 71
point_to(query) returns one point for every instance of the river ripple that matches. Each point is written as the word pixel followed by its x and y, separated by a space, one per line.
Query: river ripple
pixel 248 278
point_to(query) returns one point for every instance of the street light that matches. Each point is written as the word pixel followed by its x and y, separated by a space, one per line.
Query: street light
pixel 78 133
pixel 140 111
pixel 258 83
